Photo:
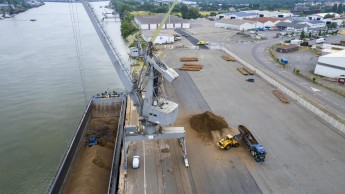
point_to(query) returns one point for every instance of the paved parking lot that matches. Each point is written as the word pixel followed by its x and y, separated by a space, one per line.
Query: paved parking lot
pixel 304 154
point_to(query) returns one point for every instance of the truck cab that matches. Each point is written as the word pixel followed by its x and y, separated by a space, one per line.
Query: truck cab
pixel 258 152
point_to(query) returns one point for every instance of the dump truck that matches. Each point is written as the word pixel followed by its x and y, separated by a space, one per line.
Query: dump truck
pixel 256 149
pixel 228 142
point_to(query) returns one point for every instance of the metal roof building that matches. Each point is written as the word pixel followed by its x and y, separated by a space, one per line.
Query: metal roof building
pixel 331 65
pixel 237 24
pixel 151 22
pixel 236 15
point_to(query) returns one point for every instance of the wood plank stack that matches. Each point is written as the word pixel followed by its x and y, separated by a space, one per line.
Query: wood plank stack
pixel 191 67
pixel 244 72
pixel 228 58
pixel 247 69
pixel 188 59
pixel 281 96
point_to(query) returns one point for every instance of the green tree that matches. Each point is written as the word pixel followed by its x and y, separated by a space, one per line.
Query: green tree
pixel 320 33
pixel 302 36
pixel 309 34
pixel 340 8
pixel 329 16
pixel 213 13
pixel 334 8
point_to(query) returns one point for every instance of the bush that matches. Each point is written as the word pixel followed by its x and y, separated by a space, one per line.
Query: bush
pixel 298 71
pixel 314 79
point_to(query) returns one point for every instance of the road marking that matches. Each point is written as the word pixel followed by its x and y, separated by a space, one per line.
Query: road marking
pixel 303 83
pixel 144 168
pixel 315 89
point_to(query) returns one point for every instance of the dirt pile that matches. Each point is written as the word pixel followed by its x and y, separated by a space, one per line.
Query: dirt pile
pixel 91 174
pixel 207 122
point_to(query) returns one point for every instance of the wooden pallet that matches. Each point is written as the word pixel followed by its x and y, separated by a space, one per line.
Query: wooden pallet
pixel 228 58
pixel 188 59
pixel 281 96
pixel 247 69
pixel 240 69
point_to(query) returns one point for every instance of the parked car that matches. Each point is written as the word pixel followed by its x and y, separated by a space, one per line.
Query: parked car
pixel 135 162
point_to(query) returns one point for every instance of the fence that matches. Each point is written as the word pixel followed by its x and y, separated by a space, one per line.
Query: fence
pixel 321 114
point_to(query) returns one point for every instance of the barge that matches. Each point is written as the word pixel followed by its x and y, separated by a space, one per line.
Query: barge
pixel 92 161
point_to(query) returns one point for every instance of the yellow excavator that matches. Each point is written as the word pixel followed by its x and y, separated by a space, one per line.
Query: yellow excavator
pixel 228 142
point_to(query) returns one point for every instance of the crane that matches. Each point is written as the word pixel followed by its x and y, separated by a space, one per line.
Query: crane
pixel 156 113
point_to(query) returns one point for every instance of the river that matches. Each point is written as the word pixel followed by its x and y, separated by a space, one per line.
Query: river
pixel 41 93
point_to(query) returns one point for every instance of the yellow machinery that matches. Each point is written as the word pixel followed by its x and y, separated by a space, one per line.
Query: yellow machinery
pixel 202 43
pixel 228 142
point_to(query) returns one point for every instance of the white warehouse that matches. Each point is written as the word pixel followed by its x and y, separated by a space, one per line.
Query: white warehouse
pixel 331 65
pixel 236 24
pixel 151 22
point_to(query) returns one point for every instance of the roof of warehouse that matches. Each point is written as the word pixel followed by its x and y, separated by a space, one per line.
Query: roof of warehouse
pixel 336 54
pixel 264 19
pixel 239 14
pixel 288 24
pixel 156 19
pixel 235 21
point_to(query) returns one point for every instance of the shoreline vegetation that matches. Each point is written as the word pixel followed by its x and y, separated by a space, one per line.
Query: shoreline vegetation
pixel 9 8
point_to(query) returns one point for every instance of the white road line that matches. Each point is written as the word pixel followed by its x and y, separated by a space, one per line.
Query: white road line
pixel 144 168
pixel 304 83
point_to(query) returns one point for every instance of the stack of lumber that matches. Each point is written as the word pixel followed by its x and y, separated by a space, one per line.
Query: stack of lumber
pixel 247 69
pixel 228 58
pixel 281 96
pixel 191 67
pixel 244 72
pixel 188 59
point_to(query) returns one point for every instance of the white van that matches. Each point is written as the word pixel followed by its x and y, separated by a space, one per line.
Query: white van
pixel 320 40
pixel 135 162
pixel 296 41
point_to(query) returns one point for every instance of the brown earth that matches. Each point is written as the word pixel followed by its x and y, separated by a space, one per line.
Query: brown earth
pixel 91 171
pixel 207 122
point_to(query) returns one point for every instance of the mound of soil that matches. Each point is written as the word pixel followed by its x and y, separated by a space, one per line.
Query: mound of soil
pixel 207 122
pixel 92 171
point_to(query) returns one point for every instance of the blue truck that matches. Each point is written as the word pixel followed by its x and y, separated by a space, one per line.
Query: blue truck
pixel 256 149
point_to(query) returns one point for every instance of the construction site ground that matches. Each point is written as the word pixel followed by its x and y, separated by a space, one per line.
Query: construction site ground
pixel 304 155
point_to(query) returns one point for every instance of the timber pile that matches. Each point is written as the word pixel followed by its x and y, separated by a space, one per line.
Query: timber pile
pixel 247 69
pixel 240 69
pixel 191 67
pixel 281 96
pixel 188 59
pixel 228 58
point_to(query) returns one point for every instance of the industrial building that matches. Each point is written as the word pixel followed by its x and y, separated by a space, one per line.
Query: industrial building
pixel 162 38
pixel 266 22
pixel 236 24
pixel 331 65
pixel 236 15
pixel 151 22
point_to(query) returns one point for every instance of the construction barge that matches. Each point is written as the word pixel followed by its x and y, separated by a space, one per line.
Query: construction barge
pixel 92 161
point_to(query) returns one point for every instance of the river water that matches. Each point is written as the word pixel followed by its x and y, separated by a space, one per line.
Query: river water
pixel 41 93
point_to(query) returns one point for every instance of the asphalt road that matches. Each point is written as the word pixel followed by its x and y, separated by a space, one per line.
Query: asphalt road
pixel 258 55
pixel 304 154
pixel 189 37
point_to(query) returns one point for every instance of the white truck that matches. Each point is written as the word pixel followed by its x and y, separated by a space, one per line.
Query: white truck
pixel 296 42
pixel 135 162
pixel 320 40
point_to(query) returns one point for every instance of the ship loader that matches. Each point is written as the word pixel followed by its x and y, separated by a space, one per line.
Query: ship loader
pixel 228 142
pixel 256 149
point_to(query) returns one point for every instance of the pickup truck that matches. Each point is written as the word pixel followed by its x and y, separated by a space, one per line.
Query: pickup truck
pixel 256 149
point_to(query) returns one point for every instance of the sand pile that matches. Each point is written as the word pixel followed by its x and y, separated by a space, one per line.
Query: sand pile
pixel 91 172
pixel 207 122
